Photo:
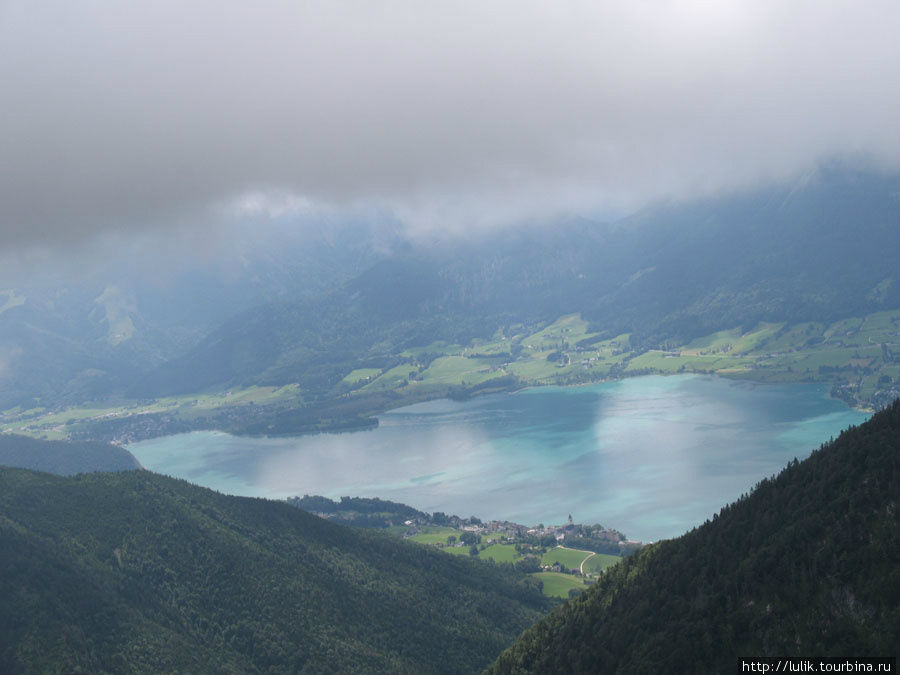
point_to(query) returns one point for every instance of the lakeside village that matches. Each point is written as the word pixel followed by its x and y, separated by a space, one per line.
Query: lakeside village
pixel 530 543
pixel 569 548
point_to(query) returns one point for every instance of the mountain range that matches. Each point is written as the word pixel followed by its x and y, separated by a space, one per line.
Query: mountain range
pixel 819 249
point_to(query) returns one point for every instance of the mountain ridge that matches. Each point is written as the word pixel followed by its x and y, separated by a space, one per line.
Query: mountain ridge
pixel 64 458
pixel 815 252
pixel 137 572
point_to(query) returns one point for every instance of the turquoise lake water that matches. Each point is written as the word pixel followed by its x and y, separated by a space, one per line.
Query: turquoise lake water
pixel 650 456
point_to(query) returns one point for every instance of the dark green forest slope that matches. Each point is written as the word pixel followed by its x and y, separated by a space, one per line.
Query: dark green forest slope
pixel 64 457
pixel 136 572
pixel 807 565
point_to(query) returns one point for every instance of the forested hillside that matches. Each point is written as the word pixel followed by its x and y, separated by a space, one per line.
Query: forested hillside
pixel 808 564
pixel 136 572
pixel 63 457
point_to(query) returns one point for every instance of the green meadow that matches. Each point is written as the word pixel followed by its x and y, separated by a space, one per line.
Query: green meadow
pixel 456 370
pixel 55 424
pixel 500 553
pixel 361 375
pixel 558 585
pixel 571 558
pixel 435 535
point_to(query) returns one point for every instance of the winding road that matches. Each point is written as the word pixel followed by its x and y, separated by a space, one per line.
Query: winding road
pixel 587 557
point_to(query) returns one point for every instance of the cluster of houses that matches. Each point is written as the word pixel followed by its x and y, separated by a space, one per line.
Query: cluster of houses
pixel 569 534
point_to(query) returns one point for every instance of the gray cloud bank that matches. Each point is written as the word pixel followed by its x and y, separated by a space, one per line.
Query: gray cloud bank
pixel 119 114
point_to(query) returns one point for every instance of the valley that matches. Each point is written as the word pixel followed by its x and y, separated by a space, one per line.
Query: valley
pixel 640 374
pixel 593 307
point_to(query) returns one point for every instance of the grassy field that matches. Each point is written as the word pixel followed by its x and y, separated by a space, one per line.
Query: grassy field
pixel 53 424
pixel 361 375
pixel 439 347
pixel 500 553
pixel 558 585
pixel 859 354
pixel 456 370
pixel 566 330
pixel 435 535
pixel 568 557
pixel 537 370
pixel 391 379
pixel 506 553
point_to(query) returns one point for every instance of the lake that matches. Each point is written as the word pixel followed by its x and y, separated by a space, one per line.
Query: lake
pixel 650 456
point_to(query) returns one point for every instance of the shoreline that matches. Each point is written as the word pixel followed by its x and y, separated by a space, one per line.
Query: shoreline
pixel 795 417
pixel 371 419
pixel 868 410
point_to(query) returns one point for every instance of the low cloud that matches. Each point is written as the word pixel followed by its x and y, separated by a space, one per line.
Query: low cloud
pixel 139 115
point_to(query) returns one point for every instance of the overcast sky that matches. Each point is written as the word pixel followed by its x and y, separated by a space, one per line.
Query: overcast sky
pixel 448 114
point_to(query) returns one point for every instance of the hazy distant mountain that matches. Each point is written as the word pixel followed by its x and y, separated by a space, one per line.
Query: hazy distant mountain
pixel 81 332
pixel 136 572
pixel 292 308
pixel 807 565
pixel 820 249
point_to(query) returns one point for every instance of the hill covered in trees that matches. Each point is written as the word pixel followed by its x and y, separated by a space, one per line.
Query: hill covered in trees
pixel 136 572
pixel 63 457
pixel 358 511
pixel 808 564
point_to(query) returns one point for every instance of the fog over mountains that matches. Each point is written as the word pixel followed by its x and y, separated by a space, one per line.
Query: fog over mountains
pixel 272 312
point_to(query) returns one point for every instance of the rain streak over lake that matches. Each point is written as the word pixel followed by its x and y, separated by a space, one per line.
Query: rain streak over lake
pixel 650 456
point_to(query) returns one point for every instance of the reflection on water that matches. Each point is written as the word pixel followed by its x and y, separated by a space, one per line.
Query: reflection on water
pixel 651 456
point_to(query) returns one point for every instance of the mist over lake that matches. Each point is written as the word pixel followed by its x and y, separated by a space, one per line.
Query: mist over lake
pixel 651 456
